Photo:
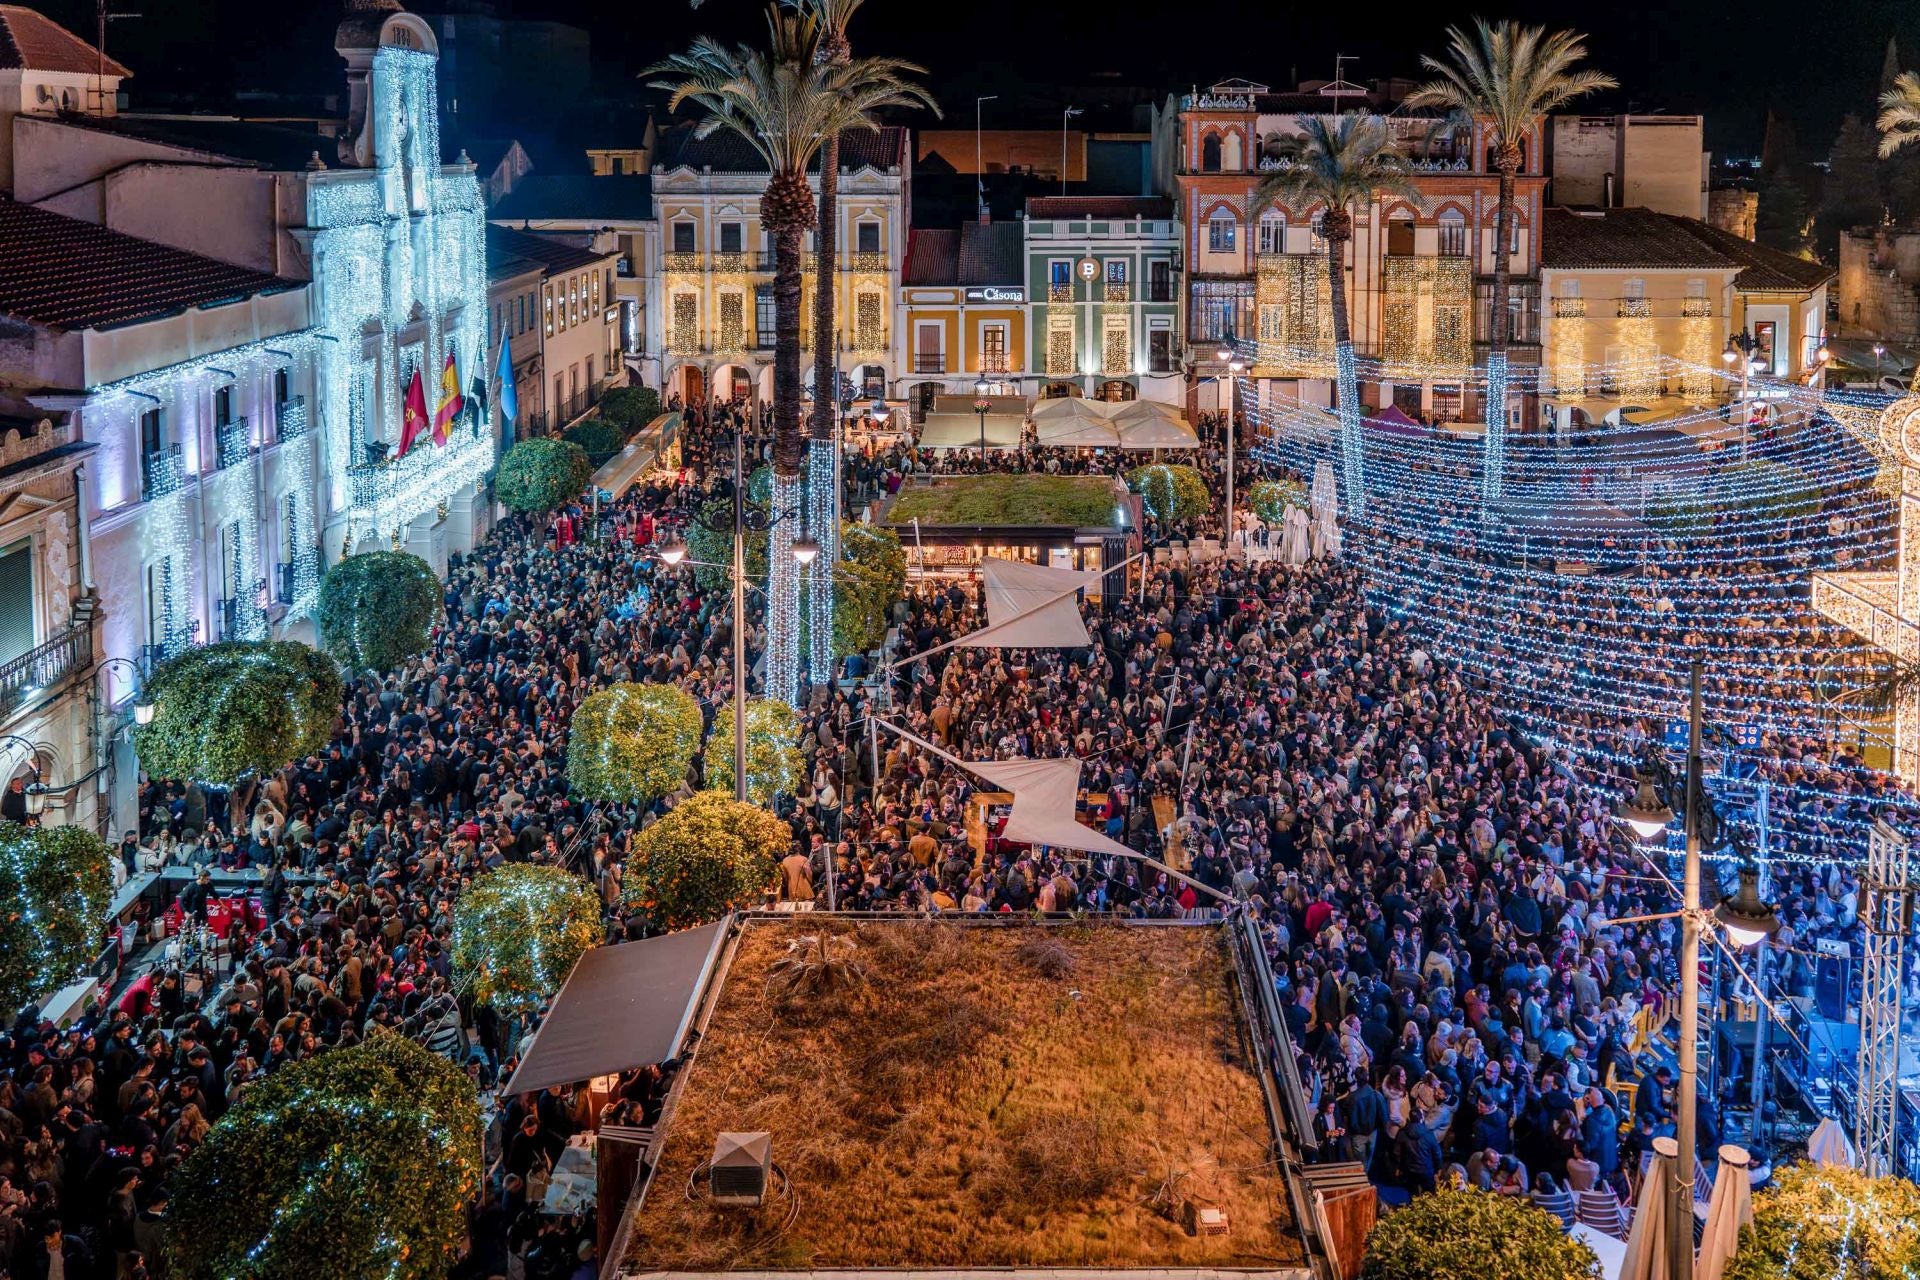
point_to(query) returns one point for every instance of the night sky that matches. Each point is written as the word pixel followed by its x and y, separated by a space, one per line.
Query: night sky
pixel 1811 61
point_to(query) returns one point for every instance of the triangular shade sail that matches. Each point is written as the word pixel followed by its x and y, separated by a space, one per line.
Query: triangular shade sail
pixel 1031 606
pixel 1045 797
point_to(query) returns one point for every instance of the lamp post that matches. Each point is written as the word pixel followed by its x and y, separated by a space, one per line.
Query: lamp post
pixel 979 165
pixel 1234 365
pixel 1065 116
pixel 1822 355
pixel 980 407
pixel 1879 351
pixel 1744 916
pixel 675 553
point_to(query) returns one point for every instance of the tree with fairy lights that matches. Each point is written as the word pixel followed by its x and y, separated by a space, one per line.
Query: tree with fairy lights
pixel 870 581
pixel 1473 1233
pixel 1338 162
pixel 1814 1222
pixel 541 473
pixel 710 855
pixel 55 883
pixel 632 743
pixel 784 102
pixel 774 761
pixel 226 712
pixel 356 1162
pixel 378 609
pixel 1505 78
pixel 518 931
pixel 1172 491
pixel 1271 500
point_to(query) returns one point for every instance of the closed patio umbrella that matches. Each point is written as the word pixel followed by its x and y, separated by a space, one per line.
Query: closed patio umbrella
pixel 1647 1242
pixel 1829 1147
pixel 1730 1209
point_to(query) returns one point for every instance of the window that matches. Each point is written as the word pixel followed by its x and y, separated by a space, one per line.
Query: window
pixel 1116 270
pixel 1210 153
pixel 1160 349
pixel 546 297
pixel 1635 288
pixel 1453 235
pixel 1318 229
pixel 1060 273
pixel 1160 280
pixel 1222 309
pixel 1220 229
pixel 729 237
pixel 993 348
pixel 927 357
pixel 763 314
pixel 159 602
pixel 222 406
pixel 16 600
pixel 683 237
pixel 499 315
pixel 866 238
pixel 1523 311
pixel 1273 232
pixel 1399 237
pixel 153 436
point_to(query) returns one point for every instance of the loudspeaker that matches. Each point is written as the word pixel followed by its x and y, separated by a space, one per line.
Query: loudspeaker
pixel 1832 979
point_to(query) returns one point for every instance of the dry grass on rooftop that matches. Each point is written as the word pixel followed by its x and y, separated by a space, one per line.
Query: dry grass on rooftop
pixel 968 1096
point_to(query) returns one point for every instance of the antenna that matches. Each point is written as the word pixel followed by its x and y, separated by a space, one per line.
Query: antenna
pixel 101 18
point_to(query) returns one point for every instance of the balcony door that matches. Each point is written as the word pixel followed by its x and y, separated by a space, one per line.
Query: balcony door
pixel 16 600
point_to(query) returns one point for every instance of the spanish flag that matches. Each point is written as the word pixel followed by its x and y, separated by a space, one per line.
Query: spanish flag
pixel 413 421
pixel 451 404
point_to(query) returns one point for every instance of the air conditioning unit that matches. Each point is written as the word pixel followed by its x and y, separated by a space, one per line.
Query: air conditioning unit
pixel 1202 1219
pixel 737 1174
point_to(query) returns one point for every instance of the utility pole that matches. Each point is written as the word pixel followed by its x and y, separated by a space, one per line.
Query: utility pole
pixel 979 163
pixel 1686 1106
pixel 1065 116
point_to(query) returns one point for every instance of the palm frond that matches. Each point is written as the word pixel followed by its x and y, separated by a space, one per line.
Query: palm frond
pixel 1892 686
pixel 1508 74
pixel 1336 161
pixel 1899 121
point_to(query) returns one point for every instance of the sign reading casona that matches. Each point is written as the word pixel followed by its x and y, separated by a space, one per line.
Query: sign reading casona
pixel 997 293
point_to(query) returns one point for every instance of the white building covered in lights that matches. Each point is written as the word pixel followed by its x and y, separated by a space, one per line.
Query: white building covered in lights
pixel 391 238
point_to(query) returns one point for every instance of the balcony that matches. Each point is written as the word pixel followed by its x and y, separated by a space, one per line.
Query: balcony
pixel 993 364
pixel 283 582
pixel 44 666
pixel 1060 293
pixel 293 419
pixel 162 471
pixel 577 404
pixel 1635 309
pixel 233 443
pixel 680 262
pixel 929 362
pixel 1118 291
pixel 623 267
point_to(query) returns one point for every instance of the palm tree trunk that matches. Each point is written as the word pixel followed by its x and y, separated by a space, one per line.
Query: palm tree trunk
pixel 1494 443
pixel 823 494
pixel 789 446
pixel 1352 460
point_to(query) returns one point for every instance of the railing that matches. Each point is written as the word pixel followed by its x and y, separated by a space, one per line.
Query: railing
pixel 1118 291
pixel 44 666
pixel 929 364
pixel 1059 293
pixel 735 262
pixel 162 471
pixel 994 364
pixel 577 404
pixel 1635 309
pixel 229 618
pixel 233 442
pixel 680 262
pixel 283 582
pixel 293 419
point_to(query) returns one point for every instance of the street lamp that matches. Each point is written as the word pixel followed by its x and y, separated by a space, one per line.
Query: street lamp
pixel 981 406
pixel 1879 350
pixel 1746 918
pixel 1229 357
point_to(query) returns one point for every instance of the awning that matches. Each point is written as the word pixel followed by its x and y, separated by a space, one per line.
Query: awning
pixel 1071 421
pixel 1148 424
pixel 962 431
pixel 622 1007
pixel 964 404
pixel 1391 421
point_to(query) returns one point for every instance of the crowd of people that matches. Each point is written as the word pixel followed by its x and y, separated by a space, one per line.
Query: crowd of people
pixel 1436 884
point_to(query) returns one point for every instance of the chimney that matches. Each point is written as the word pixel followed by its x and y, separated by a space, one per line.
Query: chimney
pixel 1606 191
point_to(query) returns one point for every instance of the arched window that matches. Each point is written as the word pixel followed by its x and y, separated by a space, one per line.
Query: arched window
pixel 1273 232
pixel 1220 231
pixel 1453 234
pixel 1230 154
pixel 1400 234
pixel 1210 153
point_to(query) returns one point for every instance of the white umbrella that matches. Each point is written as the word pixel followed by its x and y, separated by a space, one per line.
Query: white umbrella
pixel 1829 1146
pixel 1730 1209
pixel 1647 1243
pixel 1296 539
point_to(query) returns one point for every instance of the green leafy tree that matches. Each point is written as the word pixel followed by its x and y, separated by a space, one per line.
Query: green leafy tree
pixel 710 543
pixel 227 711
pixel 1338 162
pixel 1815 1221
pixel 774 761
pixel 707 857
pixel 54 887
pixel 1773 490
pixel 1781 220
pixel 869 582
pixel 632 743
pixel 597 438
pixel 356 1162
pixel 1505 77
pixel 784 103
pixel 1270 499
pixel 1850 197
pixel 1173 491
pixel 1473 1235
pixel 378 609
pixel 518 931
pixel 630 408
pixel 541 473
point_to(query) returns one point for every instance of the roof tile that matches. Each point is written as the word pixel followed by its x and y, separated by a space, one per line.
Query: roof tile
pixel 31 41
pixel 725 151
pixel 1100 207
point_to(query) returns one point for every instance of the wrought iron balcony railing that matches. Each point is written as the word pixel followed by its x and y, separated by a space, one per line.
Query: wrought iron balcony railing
pixel 44 666
pixel 293 418
pixel 233 441
pixel 162 471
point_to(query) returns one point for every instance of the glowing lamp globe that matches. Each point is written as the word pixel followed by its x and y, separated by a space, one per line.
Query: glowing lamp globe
pixel 673 552
pixel 1745 916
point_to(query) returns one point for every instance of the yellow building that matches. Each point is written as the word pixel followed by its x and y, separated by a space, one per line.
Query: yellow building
pixel 711 265
pixel 1626 287
pixel 963 301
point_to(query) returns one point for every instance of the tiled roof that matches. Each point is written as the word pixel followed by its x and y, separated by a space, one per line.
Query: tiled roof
pixel 1629 238
pixel 270 146
pixel 31 41
pixel 63 273
pixel 1100 207
pixel 1622 238
pixel 725 151
pixel 553 255
pixel 616 198
pixel 969 254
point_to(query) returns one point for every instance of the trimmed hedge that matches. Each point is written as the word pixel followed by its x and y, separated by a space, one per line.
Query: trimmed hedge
pixel 541 473
pixel 709 856
pixel 378 609
pixel 56 882
pixel 1173 490
pixel 226 711
pixel 597 438
pixel 632 743
pixel 630 408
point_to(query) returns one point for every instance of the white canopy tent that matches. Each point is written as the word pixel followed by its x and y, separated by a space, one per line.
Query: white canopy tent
pixel 1148 424
pixel 962 431
pixel 1647 1247
pixel 1830 1147
pixel 1071 421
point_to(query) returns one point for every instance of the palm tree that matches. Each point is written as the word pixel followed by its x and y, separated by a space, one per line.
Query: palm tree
pixel 784 102
pixel 1338 162
pixel 1900 113
pixel 1505 76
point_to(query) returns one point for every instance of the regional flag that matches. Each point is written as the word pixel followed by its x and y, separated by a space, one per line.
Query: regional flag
pixel 509 398
pixel 450 402
pixel 413 421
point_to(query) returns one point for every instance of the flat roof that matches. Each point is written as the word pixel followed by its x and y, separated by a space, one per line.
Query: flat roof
pixel 986 1094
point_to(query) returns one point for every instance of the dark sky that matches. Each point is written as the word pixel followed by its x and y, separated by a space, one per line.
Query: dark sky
pixel 1813 61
